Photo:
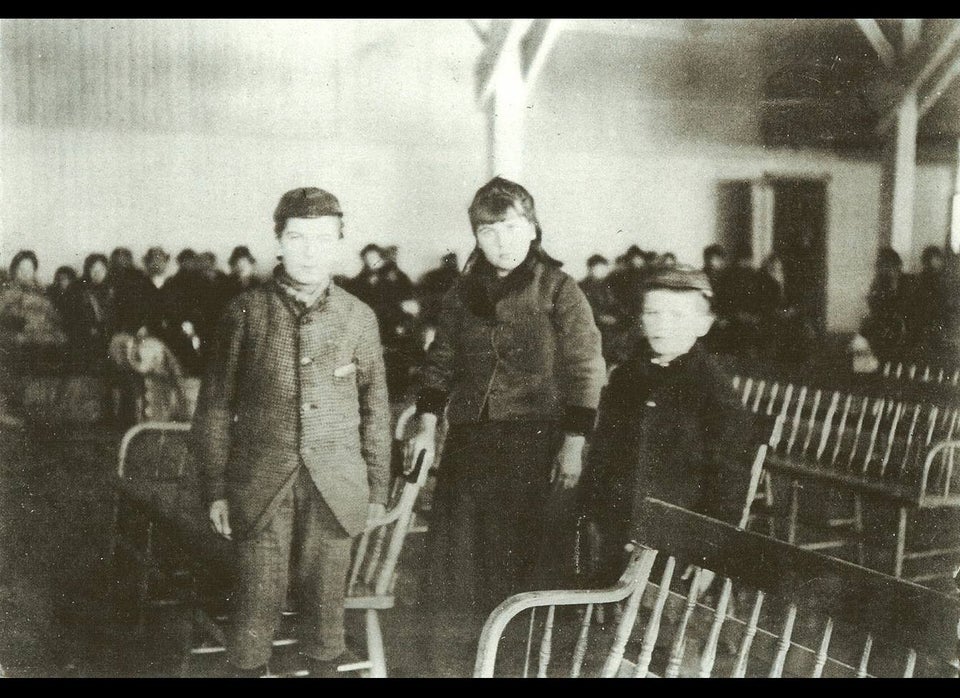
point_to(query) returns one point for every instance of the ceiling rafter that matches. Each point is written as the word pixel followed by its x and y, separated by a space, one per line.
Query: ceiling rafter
pixel 923 73
pixel 881 44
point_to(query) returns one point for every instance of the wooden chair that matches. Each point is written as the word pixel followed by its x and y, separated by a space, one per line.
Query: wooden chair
pixel 865 446
pixel 800 614
pixel 161 527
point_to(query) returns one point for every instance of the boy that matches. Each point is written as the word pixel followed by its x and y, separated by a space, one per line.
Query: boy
pixel 670 425
pixel 292 429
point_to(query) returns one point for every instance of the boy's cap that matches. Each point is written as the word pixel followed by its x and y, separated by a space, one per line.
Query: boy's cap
pixel 679 278
pixel 307 202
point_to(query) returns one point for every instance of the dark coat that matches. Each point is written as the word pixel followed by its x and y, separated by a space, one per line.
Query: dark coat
pixel 676 433
pixel 283 387
pixel 533 354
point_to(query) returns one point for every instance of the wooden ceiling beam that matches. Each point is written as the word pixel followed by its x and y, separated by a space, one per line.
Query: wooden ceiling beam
pixel 911 36
pixel 505 37
pixel 930 97
pixel 923 73
pixel 876 37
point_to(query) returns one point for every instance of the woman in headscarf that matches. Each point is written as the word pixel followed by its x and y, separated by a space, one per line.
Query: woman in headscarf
pixel 517 364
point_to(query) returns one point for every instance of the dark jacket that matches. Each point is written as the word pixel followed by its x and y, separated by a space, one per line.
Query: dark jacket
pixel 531 351
pixel 283 387
pixel 676 433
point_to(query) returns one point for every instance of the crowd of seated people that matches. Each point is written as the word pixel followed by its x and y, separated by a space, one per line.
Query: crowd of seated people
pixel 72 322
pixel 914 318
pixel 754 318
pixel 911 317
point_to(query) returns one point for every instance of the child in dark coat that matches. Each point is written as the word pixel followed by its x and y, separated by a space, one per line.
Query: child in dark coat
pixel 670 425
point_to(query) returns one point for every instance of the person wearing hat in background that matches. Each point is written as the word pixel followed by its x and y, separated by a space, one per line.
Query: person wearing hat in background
pixel 517 363
pixel 292 427
pixel 669 426
pixel 243 271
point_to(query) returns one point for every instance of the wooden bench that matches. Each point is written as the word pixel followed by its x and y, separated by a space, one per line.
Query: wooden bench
pixel 922 373
pixel 778 611
pixel 869 446
pixel 161 527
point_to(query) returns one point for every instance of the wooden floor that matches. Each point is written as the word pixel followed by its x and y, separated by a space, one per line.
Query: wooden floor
pixel 57 590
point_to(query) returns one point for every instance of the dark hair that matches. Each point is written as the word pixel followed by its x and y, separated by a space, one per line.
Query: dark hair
pixel 596 259
pixel 634 251
pixel 19 257
pixel 209 256
pixel 65 270
pixel 280 223
pixel 90 261
pixel 929 252
pixel 241 252
pixel 155 254
pixel 714 250
pixel 491 203
pixel 186 255
pixel 495 198
pixel 371 247
pixel 887 256
pixel 121 257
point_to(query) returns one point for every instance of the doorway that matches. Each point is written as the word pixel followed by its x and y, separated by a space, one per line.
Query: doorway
pixel 800 240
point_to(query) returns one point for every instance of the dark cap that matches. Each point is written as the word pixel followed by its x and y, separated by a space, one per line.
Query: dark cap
pixel 679 278
pixel 306 202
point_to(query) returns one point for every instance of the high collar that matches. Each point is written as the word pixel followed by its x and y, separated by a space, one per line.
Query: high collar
pixel 482 288
pixel 305 296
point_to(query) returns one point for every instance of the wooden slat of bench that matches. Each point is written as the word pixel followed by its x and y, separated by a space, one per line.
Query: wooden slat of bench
pixel 896 491
pixel 876 603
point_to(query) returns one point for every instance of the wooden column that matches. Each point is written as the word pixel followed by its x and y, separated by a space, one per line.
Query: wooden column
pixel 514 55
pixel 506 112
pixel 904 163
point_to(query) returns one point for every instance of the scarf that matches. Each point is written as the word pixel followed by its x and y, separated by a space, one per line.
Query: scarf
pixel 305 295
pixel 482 288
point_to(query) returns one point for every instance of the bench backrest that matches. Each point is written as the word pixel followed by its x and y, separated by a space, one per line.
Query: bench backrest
pixel 160 452
pixel 878 438
pixel 773 610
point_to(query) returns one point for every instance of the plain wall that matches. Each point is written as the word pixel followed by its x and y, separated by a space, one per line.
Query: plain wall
pixel 626 148
pixel 186 133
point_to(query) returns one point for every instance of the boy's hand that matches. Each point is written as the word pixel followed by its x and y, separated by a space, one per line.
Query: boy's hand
pixel 375 512
pixel 569 461
pixel 220 518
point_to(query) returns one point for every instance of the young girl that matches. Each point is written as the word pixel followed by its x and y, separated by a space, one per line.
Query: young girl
pixel 517 363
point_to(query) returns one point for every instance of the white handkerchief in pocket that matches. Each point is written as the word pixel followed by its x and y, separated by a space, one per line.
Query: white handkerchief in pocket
pixel 345 370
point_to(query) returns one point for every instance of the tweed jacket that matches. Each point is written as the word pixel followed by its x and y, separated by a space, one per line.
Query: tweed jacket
pixel 537 356
pixel 285 386
pixel 677 433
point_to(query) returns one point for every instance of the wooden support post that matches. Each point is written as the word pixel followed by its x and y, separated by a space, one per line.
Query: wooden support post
pixel 901 165
pixel 507 71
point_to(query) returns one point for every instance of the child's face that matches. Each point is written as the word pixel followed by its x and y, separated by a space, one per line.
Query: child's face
pixel 505 243
pixel 311 248
pixel 672 321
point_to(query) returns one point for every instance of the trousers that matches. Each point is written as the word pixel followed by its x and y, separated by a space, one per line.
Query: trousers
pixel 303 537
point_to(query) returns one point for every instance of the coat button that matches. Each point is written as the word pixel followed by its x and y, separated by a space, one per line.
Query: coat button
pixel 307 406
pixel 306 360
pixel 651 403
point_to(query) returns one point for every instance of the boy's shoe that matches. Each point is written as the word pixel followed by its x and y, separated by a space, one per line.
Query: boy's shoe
pixel 345 665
